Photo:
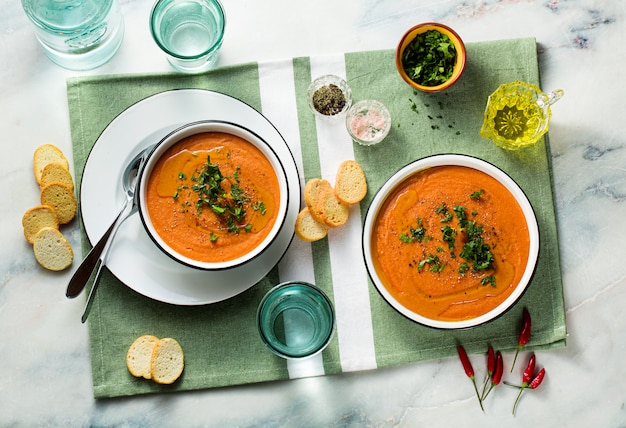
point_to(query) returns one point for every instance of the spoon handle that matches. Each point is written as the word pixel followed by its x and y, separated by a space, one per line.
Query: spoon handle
pixel 118 221
pixel 83 273
pixel 92 292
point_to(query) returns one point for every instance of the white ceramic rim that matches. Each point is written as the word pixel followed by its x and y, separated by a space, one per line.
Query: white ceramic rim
pixel 198 128
pixel 459 160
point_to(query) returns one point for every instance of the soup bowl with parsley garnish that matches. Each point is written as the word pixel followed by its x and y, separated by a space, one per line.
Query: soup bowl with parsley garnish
pixel 450 241
pixel 430 57
pixel 213 195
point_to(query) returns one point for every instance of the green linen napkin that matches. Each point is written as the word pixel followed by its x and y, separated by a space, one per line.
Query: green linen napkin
pixel 220 341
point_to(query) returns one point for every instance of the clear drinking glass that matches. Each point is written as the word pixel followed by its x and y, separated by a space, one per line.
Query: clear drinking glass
pixel 77 34
pixel 296 320
pixel 190 32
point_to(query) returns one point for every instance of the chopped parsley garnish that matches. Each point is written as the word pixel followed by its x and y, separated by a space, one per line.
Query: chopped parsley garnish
pixel 491 280
pixel 416 234
pixel 435 265
pixel 476 254
pixel 447 215
pixel 475 250
pixel 460 214
pixel 448 235
pixel 259 206
pixel 223 195
pixel 463 268
pixel 477 195
pixel 429 59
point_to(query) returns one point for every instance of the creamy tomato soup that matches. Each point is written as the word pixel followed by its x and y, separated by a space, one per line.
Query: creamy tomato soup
pixel 213 197
pixel 450 243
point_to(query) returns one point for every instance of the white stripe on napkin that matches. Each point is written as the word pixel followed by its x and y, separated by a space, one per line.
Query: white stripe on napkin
pixel 278 103
pixel 350 286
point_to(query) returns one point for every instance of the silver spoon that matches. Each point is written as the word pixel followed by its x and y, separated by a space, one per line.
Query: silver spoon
pixel 99 251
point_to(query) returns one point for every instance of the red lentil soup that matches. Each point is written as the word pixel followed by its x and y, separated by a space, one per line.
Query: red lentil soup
pixel 213 197
pixel 450 243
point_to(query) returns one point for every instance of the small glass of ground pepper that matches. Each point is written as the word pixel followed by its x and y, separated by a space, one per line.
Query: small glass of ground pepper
pixel 329 96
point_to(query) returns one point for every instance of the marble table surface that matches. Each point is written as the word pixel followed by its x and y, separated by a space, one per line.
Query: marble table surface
pixel 45 378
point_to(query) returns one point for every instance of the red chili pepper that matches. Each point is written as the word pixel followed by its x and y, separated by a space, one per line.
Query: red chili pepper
pixel 469 371
pixel 467 365
pixel 497 373
pixel 526 380
pixel 524 336
pixel 538 379
pixel 491 362
pixel 528 373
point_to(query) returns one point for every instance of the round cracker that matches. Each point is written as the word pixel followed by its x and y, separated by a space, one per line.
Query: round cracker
pixel 307 228
pixel 37 218
pixel 167 362
pixel 55 171
pixel 52 250
pixel 45 154
pixel 139 356
pixel 60 197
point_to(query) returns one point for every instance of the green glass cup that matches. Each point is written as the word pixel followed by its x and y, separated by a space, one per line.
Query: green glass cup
pixel 190 32
pixel 296 320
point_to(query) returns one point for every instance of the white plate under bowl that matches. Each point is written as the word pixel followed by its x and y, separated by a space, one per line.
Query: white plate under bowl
pixel 458 160
pixel 134 259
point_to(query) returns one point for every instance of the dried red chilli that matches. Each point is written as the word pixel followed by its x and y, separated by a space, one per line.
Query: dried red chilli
pixel 524 335
pixel 469 371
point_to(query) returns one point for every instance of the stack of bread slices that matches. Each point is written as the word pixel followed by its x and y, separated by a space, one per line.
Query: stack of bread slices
pixel 328 206
pixel 58 207
pixel 161 360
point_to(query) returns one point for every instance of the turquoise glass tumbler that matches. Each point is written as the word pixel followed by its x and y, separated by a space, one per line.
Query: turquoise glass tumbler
pixel 190 32
pixel 296 320
pixel 77 34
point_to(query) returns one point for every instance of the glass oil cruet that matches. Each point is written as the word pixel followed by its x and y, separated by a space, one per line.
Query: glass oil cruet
pixel 518 114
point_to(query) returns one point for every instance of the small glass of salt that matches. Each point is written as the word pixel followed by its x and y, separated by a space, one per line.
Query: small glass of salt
pixel 368 122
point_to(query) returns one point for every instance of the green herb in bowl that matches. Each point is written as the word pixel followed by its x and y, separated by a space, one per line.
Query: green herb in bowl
pixel 429 59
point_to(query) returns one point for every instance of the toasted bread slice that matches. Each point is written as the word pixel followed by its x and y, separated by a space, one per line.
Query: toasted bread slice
pixel 60 197
pixel 333 212
pixel 45 154
pixel 350 184
pixel 167 362
pixel 37 218
pixel 52 250
pixel 314 189
pixel 307 228
pixel 139 356
pixel 55 171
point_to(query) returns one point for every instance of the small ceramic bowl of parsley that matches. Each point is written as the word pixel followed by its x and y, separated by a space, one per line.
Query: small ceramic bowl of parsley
pixel 430 57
